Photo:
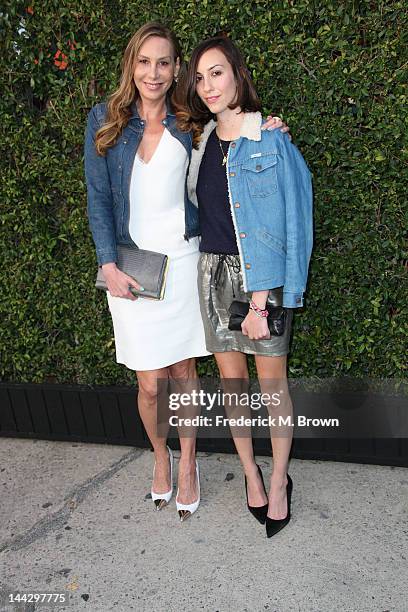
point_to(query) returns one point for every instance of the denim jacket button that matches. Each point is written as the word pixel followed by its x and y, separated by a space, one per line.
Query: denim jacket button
pixel 237 204
pixel 242 235
pixel 125 141
pixel 258 167
pixel 248 266
pixel 232 173
pixel 233 145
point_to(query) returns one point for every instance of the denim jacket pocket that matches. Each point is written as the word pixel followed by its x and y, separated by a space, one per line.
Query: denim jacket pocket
pixel 260 174
pixel 272 242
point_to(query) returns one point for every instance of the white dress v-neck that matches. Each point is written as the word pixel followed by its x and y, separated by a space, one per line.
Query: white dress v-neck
pixel 154 334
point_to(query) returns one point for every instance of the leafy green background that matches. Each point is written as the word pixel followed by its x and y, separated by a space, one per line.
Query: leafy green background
pixel 336 72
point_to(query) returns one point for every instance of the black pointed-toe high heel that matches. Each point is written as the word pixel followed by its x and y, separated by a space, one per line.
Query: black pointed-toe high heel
pixel 259 512
pixel 275 525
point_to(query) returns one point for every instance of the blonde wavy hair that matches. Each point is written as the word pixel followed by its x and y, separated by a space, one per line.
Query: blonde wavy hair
pixel 120 101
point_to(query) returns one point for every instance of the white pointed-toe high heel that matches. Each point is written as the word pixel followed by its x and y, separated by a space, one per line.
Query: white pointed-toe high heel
pixel 162 499
pixel 186 510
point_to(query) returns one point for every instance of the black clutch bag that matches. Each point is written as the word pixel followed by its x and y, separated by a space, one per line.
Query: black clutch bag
pixel 148 268
pixel 276 317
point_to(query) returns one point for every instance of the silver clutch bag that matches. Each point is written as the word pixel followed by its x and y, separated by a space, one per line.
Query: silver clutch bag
pixel 148 268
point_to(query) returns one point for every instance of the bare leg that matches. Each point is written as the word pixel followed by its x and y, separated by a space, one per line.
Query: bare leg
pixel 184 376
pixel 147 402
pixel 234 365
pixel 272 373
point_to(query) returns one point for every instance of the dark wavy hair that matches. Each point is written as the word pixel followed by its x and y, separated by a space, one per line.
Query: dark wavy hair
pixel 192 114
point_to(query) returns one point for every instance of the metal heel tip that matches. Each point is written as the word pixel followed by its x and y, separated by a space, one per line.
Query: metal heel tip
pixel 184 514
pixel 160 503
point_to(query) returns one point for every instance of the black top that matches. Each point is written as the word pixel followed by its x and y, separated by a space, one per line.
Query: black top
pixel 217 229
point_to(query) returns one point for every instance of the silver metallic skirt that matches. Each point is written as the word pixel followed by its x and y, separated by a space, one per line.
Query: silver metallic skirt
pixel 219 283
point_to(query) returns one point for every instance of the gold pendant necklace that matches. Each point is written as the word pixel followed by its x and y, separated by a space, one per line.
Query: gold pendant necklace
pixel 224 155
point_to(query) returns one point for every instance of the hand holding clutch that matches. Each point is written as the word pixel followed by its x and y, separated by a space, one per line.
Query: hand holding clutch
pixel 147 268
pixel 276 317
pixel 120 284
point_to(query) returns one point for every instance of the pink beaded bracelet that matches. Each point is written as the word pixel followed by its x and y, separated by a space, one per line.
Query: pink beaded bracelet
pixel 257 310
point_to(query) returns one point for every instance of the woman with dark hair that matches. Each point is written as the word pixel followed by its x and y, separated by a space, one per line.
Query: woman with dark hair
pixel 136 161
pixel 254 195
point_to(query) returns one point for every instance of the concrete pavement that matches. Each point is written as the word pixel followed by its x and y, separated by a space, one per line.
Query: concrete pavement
pixel 76 519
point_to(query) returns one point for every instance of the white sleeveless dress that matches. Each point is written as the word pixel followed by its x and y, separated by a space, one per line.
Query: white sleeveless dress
pixel 153 334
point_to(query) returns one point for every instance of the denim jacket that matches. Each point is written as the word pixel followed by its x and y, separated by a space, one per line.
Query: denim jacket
pixel 108 182
pixel 270 196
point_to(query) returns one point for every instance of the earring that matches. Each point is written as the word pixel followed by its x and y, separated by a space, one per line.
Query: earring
pixel 175 78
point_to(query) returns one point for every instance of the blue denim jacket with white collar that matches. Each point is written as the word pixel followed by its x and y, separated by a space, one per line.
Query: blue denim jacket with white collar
pixel 270 196
pixel 108 182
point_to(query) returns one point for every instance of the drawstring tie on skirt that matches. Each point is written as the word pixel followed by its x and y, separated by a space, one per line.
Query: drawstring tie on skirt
pixel 232 262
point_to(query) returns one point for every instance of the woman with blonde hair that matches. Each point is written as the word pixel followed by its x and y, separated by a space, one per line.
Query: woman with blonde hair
pixel 136 160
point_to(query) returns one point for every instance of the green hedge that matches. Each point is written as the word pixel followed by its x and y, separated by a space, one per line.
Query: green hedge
pixel 336 72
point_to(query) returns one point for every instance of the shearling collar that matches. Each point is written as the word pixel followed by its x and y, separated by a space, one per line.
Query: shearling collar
pixel 250 128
